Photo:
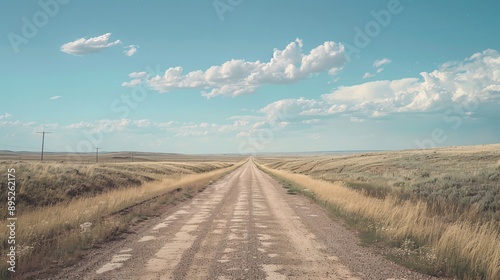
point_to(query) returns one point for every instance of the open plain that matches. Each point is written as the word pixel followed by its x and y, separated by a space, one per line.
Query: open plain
pixel 420 214
pixel 245 226
pixel 438 209
pixel 64 208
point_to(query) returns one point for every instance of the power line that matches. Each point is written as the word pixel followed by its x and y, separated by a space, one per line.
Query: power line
pixel 43 141
pixel 96 155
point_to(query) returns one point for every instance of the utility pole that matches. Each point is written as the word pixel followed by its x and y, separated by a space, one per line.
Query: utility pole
pixel 132 156
pixel 96 155
pixel 43 141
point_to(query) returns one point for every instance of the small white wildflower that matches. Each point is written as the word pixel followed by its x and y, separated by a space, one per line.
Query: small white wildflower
pixel 24 250
pixel 85 226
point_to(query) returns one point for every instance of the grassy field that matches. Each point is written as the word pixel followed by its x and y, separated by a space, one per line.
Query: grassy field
pixel 65 208
pixel 41 184
pixel 439 209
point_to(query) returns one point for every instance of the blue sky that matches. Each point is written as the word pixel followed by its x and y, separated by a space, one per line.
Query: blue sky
pixel 239 76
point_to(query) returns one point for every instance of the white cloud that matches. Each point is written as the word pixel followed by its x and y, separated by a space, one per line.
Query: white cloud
pixel 381 62
pixel 132 83
pixel 5 116
pixel 137 79
pixel 45 127
pixel 78 125
pixel 189 129
pixel 130 50
pixel 311 121
pixel 106 125
pixel 138 75
pixel 55 97
pixel 284 110
pixel 475 80
pixel 191 133
pixel 449 85
pixel 240 126
pixel 376 91
pixel 103 125
pixel 17 123
pixel 236 77
pixel 84 46
pixel 143 123
pixel 164 125
pixel 368 75
pixel 377 64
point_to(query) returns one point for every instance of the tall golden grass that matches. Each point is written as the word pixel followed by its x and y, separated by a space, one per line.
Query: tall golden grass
pixel 451 180
pixel 462 249
pixel 41 184
pixel 65 229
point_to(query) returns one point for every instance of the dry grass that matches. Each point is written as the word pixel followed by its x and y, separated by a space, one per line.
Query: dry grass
pixel 41 184
pixel 452 180
pixel 438 238
pixel 60 232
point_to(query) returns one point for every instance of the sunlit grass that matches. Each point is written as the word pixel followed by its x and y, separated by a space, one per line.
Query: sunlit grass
pixel 63 230
pixel 462 247
pixel 40 184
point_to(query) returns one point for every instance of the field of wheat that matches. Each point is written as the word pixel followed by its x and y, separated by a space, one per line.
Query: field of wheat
pixel 439 209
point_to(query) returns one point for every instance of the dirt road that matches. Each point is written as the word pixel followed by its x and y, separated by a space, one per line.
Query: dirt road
pixel 243 227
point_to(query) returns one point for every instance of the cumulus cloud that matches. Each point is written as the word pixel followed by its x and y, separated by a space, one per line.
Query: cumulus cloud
pixel 85 46
pixel 239 125
pixel 130 50
pixel 137 79
pixel 368 75
pixel 111 125
pixel 237 77
pixel 103 125
pixel 287 108
pixel 377 64
pixel 138 75
pixel 475 80
pixel 5 116
pixel 381 62
pixel 17 123
pixel 377 91
pixel 79 125
pixel 132 83
pixel 143 123
pixel 55 97
pixel 311 121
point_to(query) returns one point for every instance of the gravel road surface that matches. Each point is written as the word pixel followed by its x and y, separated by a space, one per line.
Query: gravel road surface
pixel 244 226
